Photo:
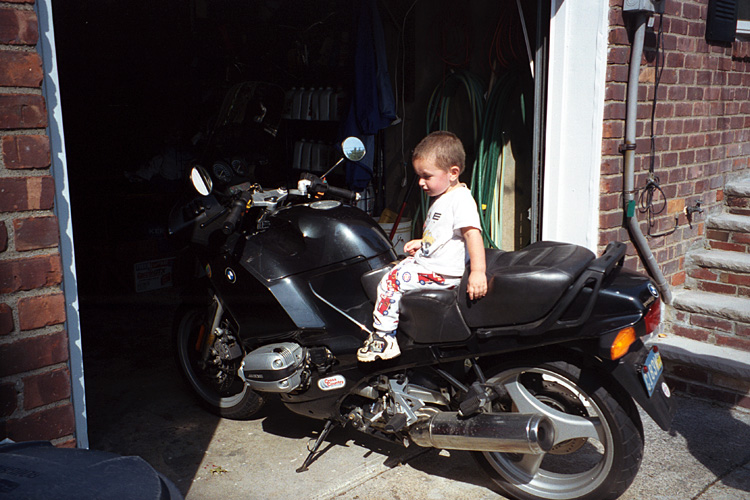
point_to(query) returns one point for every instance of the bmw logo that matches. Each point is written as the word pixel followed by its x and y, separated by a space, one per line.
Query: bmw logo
pixel 229 273
pixel 653 290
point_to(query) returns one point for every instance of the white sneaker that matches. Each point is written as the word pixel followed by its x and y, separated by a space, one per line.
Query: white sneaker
pixel 378 347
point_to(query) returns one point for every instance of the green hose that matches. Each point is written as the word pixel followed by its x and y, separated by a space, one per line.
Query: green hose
pixel 490 143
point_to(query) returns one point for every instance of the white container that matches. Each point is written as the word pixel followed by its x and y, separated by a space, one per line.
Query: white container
pixel 324 104
pixel 304 163
pixel 297 104
pixel 401 236
pixel 297 158
pixel 305 109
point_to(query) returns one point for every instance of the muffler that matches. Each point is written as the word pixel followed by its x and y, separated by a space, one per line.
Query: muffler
pixel 503 432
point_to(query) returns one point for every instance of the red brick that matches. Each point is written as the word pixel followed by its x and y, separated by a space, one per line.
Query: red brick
pixel 738 279
pixel 26 193
pixel 733 342
pixel 34 233
pixel 3 237
pixel 6 319
pixel 717 288
pixel 44 425
pixel 688 373
pixel 718 235
pixel 46 388
pixel 18 27
pixel 691 333
pixel 41 311
pixel 26 151
pixel 8 399
pixel 710 323
pixel 22 111
pixel 678 278
pixel 703 274
pixel 30 273
pixel 32 353
pixel 730 247
pixel 20 69
pixel 712 393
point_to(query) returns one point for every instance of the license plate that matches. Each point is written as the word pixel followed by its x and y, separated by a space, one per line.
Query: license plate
pixel 654 367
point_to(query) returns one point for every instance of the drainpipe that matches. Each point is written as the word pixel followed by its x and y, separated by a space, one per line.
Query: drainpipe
pixel 631 221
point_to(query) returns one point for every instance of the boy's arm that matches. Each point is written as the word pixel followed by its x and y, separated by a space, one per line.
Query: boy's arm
pixel 477 284
pixel 411 246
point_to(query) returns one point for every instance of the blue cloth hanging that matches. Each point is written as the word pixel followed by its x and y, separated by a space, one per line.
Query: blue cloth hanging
pixel 372 106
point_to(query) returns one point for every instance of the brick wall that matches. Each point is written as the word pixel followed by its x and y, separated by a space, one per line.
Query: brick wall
pixel 702 125
pixel 35 385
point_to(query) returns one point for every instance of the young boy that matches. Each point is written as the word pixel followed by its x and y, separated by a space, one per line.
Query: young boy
pixel 451 233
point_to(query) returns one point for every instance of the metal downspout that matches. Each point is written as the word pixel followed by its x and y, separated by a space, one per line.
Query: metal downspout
pixel 631 221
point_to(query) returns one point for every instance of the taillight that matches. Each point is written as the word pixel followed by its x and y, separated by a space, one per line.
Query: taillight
pixel 622 343
pixel 653 316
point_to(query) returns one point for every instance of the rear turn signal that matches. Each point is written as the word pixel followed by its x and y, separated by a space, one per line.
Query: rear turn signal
pixel 622 343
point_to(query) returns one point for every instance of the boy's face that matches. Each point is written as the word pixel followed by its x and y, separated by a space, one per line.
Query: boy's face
pixel 432 179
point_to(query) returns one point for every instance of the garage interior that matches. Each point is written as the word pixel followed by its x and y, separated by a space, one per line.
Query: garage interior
pixel 149 88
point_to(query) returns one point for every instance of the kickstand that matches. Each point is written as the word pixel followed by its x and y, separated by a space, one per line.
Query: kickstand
pixel 311 456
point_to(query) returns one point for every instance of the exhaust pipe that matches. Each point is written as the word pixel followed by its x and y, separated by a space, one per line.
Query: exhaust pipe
pixel 503 432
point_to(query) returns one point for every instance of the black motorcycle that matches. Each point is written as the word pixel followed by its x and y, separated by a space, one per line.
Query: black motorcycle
pixel 540 378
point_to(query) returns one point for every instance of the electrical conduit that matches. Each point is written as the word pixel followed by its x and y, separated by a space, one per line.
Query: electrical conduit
pixel 631 222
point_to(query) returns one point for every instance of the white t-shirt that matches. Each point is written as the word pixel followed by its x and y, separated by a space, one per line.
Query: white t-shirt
pixel 443 248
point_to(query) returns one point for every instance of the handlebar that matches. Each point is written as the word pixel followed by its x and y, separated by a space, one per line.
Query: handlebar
pixel 342 193
pixel 235 214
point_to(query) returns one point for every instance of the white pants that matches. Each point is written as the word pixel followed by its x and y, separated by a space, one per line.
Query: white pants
pixel 406 276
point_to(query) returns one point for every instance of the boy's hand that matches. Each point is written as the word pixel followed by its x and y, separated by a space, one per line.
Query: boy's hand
pixel 477 285
pixel 411 247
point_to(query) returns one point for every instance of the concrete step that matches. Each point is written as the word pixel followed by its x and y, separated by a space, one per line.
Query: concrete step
pixel 729 232
pixel 725 360
pixel 737 196
pixel 713 304
pixel 718 271
pixel 710 318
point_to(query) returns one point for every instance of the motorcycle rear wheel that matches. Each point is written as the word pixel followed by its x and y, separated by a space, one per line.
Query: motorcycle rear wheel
pixel 231 398
pixel 599 445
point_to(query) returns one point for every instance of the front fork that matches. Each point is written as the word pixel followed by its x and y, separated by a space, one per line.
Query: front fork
pixel 206 340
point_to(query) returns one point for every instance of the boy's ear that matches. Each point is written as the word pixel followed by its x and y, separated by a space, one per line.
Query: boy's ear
pixel 454 171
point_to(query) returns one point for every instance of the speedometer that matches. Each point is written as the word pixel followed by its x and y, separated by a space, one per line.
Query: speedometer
pixel 222 171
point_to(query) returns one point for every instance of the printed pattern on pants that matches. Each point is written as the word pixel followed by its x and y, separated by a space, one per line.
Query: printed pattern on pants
pixel 406 276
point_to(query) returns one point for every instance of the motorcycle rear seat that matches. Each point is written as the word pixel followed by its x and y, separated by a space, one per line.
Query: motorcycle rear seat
pixel 524 286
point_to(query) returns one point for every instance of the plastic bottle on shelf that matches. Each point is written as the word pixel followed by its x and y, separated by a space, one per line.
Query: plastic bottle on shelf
pixel 297 156
pixel 325 104
pixel 289 103
pixel 296 104
pixel 305 108
pixel 305 159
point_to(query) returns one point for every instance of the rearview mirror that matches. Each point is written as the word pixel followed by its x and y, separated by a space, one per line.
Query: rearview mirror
pixel 201 180
pixel 353 148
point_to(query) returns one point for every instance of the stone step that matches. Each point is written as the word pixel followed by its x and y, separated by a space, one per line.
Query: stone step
pixel 718 271
pixel 725 360
pixel 713 304
pixel 737 196
pixel 729 232
pixel 710 317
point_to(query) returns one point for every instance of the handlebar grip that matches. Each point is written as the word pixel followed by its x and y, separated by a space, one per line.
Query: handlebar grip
pixel 342 193
pixel 230 223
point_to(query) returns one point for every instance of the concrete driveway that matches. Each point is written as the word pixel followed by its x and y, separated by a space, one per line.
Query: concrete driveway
pixel 138 405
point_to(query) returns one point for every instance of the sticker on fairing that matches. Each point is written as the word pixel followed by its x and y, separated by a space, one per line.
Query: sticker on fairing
pixel 332 382
pixel 665 389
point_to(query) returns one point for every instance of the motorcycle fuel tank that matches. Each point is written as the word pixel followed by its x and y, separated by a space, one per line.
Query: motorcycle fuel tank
pixel 306 237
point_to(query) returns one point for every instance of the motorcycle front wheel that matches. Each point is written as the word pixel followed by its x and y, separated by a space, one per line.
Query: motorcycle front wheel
pixel 217 387
pixel 599 436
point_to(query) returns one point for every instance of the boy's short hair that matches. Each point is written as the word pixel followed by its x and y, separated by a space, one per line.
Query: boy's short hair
pixel 444 147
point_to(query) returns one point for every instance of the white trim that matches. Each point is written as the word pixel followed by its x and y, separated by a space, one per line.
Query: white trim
pixel 575 113
pixel 51 90
pixel 743 26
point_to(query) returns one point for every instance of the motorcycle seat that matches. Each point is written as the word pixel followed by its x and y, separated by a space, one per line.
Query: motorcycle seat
pixel 524 286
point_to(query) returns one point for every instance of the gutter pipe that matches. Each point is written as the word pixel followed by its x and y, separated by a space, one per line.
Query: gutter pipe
pixel 631 221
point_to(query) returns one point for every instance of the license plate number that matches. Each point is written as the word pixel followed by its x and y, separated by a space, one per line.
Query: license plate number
pixel 653 369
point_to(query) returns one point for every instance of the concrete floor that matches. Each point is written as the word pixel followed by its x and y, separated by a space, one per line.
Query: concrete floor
pixel 138 405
